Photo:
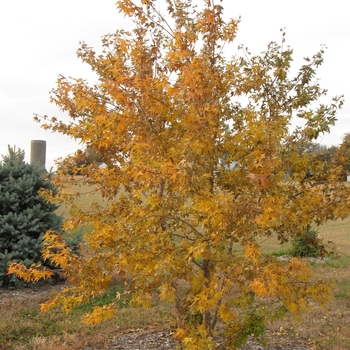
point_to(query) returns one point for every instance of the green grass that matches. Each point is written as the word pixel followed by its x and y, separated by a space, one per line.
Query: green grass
pixel 25 321
pixel 282 252
pixel 23 325
pixel 108 297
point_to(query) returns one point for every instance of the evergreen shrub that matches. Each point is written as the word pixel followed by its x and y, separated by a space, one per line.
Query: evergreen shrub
pixel 307 245
pixel 24 215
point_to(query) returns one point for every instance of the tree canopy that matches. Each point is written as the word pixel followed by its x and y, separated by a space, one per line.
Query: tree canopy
pixel 204 163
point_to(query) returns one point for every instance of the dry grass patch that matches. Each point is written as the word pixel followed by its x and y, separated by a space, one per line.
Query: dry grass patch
pixel 23 326
pixel 87 194
pixel 328 327
pixel 339 233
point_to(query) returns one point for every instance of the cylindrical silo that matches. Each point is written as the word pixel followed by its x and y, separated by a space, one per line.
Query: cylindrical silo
pixel 38 152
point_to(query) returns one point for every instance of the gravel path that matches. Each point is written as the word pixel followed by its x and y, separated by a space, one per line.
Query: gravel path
pixel 163 340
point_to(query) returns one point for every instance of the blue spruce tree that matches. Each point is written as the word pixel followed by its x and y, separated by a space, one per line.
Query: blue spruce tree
pixel 24 215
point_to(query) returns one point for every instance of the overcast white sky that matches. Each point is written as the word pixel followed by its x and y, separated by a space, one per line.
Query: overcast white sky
pixel 39 39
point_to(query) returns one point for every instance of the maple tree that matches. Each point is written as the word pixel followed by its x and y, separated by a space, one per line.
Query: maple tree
pixel 204 163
